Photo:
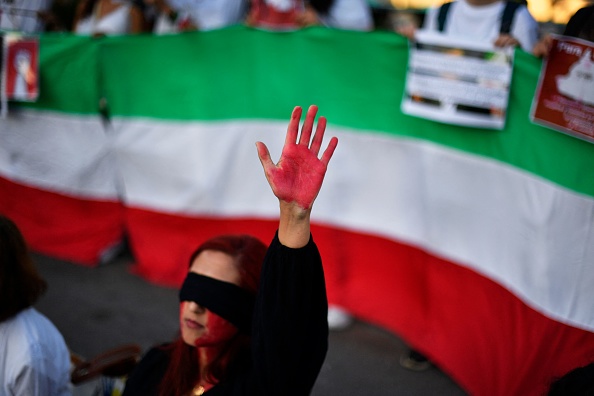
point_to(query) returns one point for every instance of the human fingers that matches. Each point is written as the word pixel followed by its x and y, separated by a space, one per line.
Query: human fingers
pixel 307 17
pixel 300 19
pixel 308 125
pixel 293 128
pixel 542 48
pixel 513 42
pixel 505 40
pixel 329 150
pixel 407 31
pixel 264 155
pixel 318 136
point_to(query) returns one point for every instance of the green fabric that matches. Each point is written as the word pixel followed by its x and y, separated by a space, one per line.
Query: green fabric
pixel 356 78
pixel 69 74
pixel 247 73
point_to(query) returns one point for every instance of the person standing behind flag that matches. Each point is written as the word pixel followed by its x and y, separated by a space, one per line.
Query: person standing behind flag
pixel 339 14
pixel 502 23
pixel 295 14
pixel 174 16
pixel 108 17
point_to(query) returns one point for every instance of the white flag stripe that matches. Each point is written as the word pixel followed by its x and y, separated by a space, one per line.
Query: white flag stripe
pixel 528 234
pixel 522 231
pixel 67 154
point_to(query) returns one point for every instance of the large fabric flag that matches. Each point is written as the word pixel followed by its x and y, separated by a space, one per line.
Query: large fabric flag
pixel 475 246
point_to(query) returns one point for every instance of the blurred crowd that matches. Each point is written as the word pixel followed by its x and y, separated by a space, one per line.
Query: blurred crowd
pixel 112 17
pixel 169 16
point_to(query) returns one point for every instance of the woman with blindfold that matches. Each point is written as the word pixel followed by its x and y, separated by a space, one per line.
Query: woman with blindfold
pixel 254 319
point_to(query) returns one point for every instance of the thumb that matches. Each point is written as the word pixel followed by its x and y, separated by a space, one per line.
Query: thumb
pixel 264 155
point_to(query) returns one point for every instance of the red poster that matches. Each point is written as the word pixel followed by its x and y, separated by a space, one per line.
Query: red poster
pixel 565 94
pixel 22 66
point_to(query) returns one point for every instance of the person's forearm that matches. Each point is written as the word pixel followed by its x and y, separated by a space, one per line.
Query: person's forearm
pixel 294 225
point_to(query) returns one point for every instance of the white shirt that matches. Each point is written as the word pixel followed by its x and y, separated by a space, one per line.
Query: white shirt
pixel 349 14
pixel 482 23
pixel 205 14
pixel 21 15
pixel 34 359
pixel 114 23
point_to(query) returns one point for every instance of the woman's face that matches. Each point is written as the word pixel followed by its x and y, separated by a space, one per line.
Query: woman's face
pixel 199 326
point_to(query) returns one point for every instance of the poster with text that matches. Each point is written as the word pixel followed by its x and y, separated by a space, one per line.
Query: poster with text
pixel 564 99
pixel 458 81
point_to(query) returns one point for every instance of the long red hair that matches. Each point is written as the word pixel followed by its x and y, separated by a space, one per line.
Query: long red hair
pixel 183 371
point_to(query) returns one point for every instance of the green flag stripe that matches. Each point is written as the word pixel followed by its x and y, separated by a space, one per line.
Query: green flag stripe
pixel 68 74
pixel 356 78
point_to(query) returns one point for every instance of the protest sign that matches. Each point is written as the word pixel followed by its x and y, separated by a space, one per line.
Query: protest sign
pixel 457 81
pixel 565 95
pixel 20 69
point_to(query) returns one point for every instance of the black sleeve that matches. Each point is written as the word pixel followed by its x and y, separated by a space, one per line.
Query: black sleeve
pixel 147 375
pixel 290 328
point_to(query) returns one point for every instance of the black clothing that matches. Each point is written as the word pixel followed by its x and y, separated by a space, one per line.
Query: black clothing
pixel 321 6
pixel 147 375
pixel 289 332
pixel 231 302
pixel 581 24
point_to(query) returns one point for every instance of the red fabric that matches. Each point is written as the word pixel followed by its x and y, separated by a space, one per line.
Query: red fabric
pixel 482 335
pixel 69 228
pixel 475 330
pixel 479 333
pixel 162 244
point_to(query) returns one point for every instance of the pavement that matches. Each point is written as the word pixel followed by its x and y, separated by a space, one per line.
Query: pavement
pixel 104 307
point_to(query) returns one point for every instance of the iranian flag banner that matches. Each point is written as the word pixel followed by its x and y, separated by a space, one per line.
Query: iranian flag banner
pixel 475 246
pixel 57 170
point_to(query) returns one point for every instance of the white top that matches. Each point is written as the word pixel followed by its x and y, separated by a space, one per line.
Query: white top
pixel 116 22
pixel 205 14
pixel 21 15
pixel 349 14
pixel 482 23
pixel 34 359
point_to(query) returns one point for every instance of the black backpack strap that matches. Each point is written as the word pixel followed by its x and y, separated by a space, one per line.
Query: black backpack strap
pixel 441 16
pixel 507 17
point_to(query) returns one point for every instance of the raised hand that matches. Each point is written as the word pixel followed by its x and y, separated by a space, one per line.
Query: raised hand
pixel 299 173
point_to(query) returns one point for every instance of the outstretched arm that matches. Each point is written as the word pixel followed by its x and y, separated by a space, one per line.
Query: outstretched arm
pixel 297 177
pixel 285 309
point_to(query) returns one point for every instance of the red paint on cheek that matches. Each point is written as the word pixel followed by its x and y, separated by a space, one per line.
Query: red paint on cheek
pixel 218 325
pixel 219 331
